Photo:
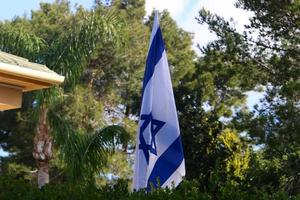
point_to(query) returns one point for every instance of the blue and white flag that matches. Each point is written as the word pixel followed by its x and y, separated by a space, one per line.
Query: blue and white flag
pixel 159 159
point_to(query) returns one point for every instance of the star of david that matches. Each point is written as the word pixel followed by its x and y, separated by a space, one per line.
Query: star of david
pixel 155 126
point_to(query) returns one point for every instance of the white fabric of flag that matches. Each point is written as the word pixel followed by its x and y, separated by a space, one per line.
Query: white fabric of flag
pixel 159 160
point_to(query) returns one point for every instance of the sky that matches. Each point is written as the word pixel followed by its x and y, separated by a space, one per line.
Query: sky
pixel 183 11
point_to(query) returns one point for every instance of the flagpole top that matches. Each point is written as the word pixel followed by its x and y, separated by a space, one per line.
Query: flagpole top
pixel 156 14
pixel 156 17
pixel 155 25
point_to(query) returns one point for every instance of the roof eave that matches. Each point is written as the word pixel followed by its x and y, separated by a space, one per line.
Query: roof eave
pixel 31 76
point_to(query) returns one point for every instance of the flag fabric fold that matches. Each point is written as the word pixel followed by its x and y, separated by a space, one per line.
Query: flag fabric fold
pixel 159 159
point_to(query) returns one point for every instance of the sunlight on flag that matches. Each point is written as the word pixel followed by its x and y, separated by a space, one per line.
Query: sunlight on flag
pixel 159 159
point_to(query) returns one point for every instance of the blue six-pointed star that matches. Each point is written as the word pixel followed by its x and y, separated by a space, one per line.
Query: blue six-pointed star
pixel 156 125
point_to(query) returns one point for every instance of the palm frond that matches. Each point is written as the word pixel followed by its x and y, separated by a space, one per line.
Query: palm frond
pixel 114 135
pixel 85 154
pixel 68 56
pixel 21 42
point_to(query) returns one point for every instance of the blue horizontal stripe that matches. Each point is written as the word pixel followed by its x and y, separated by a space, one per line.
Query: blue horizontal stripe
pixel 156 50
pixel 166 165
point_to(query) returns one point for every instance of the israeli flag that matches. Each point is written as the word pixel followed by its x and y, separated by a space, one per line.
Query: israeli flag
pixel 159 159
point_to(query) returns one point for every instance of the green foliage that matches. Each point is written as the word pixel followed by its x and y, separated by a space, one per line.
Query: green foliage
pixel 238 161
pixel 85 154
pixel 265 55
pixel 64 41
pixel 80 109
pixel 19 171
pixel 119 165
pixel 20 41
pixel 18 189
pixel 48 38
pixel 15 125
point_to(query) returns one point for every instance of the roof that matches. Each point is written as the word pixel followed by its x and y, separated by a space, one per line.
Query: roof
pixel 22 62
pixel 18 71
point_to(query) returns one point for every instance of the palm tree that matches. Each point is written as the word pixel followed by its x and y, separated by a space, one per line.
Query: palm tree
pixel 67 55
pixel 85 154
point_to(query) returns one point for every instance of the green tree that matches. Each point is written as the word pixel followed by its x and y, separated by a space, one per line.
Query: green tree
pixel 64 44
pixel 268 56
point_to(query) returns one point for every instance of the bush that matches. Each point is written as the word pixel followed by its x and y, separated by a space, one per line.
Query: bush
pixel 188 190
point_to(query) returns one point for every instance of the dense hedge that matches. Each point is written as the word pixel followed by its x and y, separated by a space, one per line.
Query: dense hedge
pixel 20 190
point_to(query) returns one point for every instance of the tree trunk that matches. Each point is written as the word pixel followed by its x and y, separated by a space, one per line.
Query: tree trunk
pixel 42 150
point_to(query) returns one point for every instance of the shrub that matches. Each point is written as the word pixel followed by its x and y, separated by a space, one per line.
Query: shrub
pixel 188 190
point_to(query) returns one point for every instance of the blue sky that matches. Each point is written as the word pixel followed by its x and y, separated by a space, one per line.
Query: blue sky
pixel 11 8
pixel 183 11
